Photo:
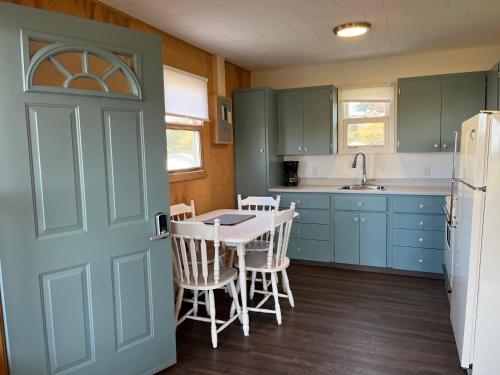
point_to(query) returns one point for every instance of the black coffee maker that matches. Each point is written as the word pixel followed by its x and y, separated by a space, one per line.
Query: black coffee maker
pixel 290 169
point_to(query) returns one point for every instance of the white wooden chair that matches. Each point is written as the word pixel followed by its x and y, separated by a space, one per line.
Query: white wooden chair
pixel 274 261
pixel 193 271
pixel 253 203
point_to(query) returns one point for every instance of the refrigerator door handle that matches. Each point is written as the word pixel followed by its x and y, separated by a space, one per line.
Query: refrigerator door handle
pixel 477 188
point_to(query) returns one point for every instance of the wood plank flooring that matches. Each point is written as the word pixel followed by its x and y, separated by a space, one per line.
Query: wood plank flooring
pixel 344 322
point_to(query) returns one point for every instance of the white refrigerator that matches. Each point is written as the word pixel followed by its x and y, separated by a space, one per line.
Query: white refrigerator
pixel 475 297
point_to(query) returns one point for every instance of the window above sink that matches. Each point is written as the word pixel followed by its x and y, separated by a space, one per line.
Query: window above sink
pixel 366 120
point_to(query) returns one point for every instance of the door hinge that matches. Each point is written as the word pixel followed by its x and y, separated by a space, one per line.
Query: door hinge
pixel 331 97
pixel 399 91
pixel 398 144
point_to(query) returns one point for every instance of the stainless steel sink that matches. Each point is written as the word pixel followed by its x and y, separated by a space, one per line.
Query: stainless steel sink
pixel 363 187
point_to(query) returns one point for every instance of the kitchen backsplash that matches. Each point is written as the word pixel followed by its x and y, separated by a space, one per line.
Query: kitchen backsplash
pixel 422 165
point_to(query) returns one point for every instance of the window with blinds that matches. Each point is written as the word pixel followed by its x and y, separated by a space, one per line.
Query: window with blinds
pixel 366 120
pixel 186 109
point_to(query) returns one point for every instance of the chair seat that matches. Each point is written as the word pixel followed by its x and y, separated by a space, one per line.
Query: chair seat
pixel 257 261
pixel 226 275
pixel 257 245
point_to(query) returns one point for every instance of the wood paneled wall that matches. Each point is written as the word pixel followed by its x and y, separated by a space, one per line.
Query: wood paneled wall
pixel 217 189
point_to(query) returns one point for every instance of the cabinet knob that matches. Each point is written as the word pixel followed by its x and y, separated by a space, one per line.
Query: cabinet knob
pixel 436 145
pixel 298 202
pixel 299 249
pixel 421 205
pixel 300 148
pixel 445 145
pixel 363 220
pixel 298 231
pixel 421 239
pixel 355 219
pixel 306 149
pixel 420 260
pixel 359 203
pixel 421 223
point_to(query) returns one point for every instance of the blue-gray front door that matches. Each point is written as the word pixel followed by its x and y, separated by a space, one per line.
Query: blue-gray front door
pixel 82 174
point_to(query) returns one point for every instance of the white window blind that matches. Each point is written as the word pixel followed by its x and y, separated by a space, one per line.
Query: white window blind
pixel 186 94
pixel 384 93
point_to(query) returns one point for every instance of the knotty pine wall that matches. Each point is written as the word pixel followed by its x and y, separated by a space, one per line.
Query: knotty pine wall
pixel 216 190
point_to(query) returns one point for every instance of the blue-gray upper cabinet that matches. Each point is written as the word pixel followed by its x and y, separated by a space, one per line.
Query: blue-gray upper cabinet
pixel 492 89
pixel 419 114
pixel 257 165
pixel 463 97
pixel 290 122
pixel 432 108
pixel 307 121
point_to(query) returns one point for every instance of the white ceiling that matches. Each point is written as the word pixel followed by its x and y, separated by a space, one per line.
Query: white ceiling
pixel 261 34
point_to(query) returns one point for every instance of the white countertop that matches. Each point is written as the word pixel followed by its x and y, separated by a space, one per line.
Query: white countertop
pixel 401 187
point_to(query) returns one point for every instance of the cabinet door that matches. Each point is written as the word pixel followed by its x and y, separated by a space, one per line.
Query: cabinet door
pixel 463 97
pixel 250 142
pixel 419 114
pixel 318 120
pixel 373 239
pixel 346 237
pixel 290 122
pixel 492 93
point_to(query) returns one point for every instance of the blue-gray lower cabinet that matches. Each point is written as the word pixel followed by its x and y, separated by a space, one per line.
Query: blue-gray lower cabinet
pixel 360 236
pixel 418 233
pixel 346 237
pixel 404 232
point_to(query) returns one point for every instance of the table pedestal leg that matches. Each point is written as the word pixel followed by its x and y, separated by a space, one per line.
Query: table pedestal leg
pixel 243 289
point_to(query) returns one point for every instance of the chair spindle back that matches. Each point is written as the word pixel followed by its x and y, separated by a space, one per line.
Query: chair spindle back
pixel 282 226
pixel 252 203
pixel 182 211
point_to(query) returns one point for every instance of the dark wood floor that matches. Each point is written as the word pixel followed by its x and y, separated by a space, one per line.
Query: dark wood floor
pixel 344 322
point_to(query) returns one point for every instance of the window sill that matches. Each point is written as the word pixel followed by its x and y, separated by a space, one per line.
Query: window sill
pixel 186 176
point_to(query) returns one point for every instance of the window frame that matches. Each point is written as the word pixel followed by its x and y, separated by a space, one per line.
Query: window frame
pixel 389 120
pixel 188 173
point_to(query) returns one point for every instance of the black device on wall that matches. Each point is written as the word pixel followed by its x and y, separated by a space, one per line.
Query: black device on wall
pixel 291 176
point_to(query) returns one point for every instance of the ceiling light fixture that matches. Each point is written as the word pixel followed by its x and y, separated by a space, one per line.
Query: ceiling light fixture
pixel 351 29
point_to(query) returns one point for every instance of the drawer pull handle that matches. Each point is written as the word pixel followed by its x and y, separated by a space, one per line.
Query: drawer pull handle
pixel 298 201
pixel 421 239
pixel 421 205
pixel 359 203
pixel 421 223
pixel 420 260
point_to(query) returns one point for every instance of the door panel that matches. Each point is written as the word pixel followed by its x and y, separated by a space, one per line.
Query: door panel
pixel 132 299
pixel 124 148
pixel 290 122
pixel 318 120
pixel 55 146
pixel 419 114
pixel 463 97
pixel 346 237
pixel 57 247
pixel 69 328
pixel 373 239
pixel 250 139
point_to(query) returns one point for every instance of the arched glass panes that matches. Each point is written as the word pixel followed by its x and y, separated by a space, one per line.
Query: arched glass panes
pixel 76 67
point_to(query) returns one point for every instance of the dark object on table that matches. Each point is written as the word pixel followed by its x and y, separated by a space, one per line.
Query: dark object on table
pixel 229 219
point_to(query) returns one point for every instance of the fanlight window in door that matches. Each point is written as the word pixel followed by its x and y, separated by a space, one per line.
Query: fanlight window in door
pixel 71 67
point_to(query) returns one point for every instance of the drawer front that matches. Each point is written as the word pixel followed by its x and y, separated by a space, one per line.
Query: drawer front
pixel 320 251
pixel 420 204
pixel 360 202
pixel 313 216
pixel 317 201
pixel 311 231
pixel 429 239
pixel 418 221
pixel 415 259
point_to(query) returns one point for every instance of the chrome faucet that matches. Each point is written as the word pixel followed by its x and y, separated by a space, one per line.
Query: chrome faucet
pixel 354 163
